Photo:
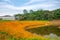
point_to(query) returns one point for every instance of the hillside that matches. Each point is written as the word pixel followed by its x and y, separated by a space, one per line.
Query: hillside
pixel 18 28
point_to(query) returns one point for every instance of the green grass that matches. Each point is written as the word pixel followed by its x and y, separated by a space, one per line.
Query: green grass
pixel 5 20
pixel 6 36
pixel 46 30
pixel 24 20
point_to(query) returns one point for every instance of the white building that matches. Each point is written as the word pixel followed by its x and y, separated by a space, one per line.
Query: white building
pixel 7 17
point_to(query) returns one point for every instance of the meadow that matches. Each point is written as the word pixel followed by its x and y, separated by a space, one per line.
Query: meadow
pixel 28 30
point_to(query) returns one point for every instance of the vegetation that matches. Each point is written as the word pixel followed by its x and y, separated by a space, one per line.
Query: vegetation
pixel 17 28
pixel 45 30
pixel 39 15
pixel 24 29
pixel 5 20
pixel 6 36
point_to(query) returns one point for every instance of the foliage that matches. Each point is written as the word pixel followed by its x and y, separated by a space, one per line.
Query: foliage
pixel 5 20
pixel 6 36
pixel 40 15
pixel 45 30
pixel 18 27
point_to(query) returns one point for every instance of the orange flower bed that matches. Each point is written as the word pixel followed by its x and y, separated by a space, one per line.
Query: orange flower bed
pixel 17 28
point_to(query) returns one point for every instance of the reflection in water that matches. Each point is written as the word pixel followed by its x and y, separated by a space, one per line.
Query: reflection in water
pixel 46 30
pixel 52 37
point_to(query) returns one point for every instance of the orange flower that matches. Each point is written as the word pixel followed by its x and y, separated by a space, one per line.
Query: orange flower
pixel 17 28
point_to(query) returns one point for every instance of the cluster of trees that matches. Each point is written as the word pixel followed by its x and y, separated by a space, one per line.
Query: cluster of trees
pixel 39 15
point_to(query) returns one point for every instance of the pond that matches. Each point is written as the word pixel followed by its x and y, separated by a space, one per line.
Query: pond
pixel 46 30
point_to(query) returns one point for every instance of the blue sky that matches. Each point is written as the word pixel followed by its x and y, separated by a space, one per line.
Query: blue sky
pixel 11 7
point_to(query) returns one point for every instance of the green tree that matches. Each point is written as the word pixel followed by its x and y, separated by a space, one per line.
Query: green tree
pixel 57 13
pixel 31 11
pixel 25 11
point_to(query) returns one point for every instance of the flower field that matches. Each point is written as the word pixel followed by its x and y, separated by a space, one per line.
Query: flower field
pixel 17 28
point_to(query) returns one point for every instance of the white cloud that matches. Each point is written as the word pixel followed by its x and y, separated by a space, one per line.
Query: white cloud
pixel 42 1
pixel 28 7
pixel 32 1
pixel 6 0
pixel 6 8
pixel 10 9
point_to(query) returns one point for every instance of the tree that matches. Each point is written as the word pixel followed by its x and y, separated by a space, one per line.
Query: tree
pixel 31 11
pixel 39 15
pixel 18 16
pixel 25 11
pixel 57 13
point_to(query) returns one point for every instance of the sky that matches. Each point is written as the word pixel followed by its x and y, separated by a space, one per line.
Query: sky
pixel 11 7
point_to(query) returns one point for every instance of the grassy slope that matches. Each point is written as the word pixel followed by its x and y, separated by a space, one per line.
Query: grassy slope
pixel 18 27
pixel 10 37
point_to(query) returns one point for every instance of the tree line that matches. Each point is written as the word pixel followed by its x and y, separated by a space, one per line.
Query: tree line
pixel 39 15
